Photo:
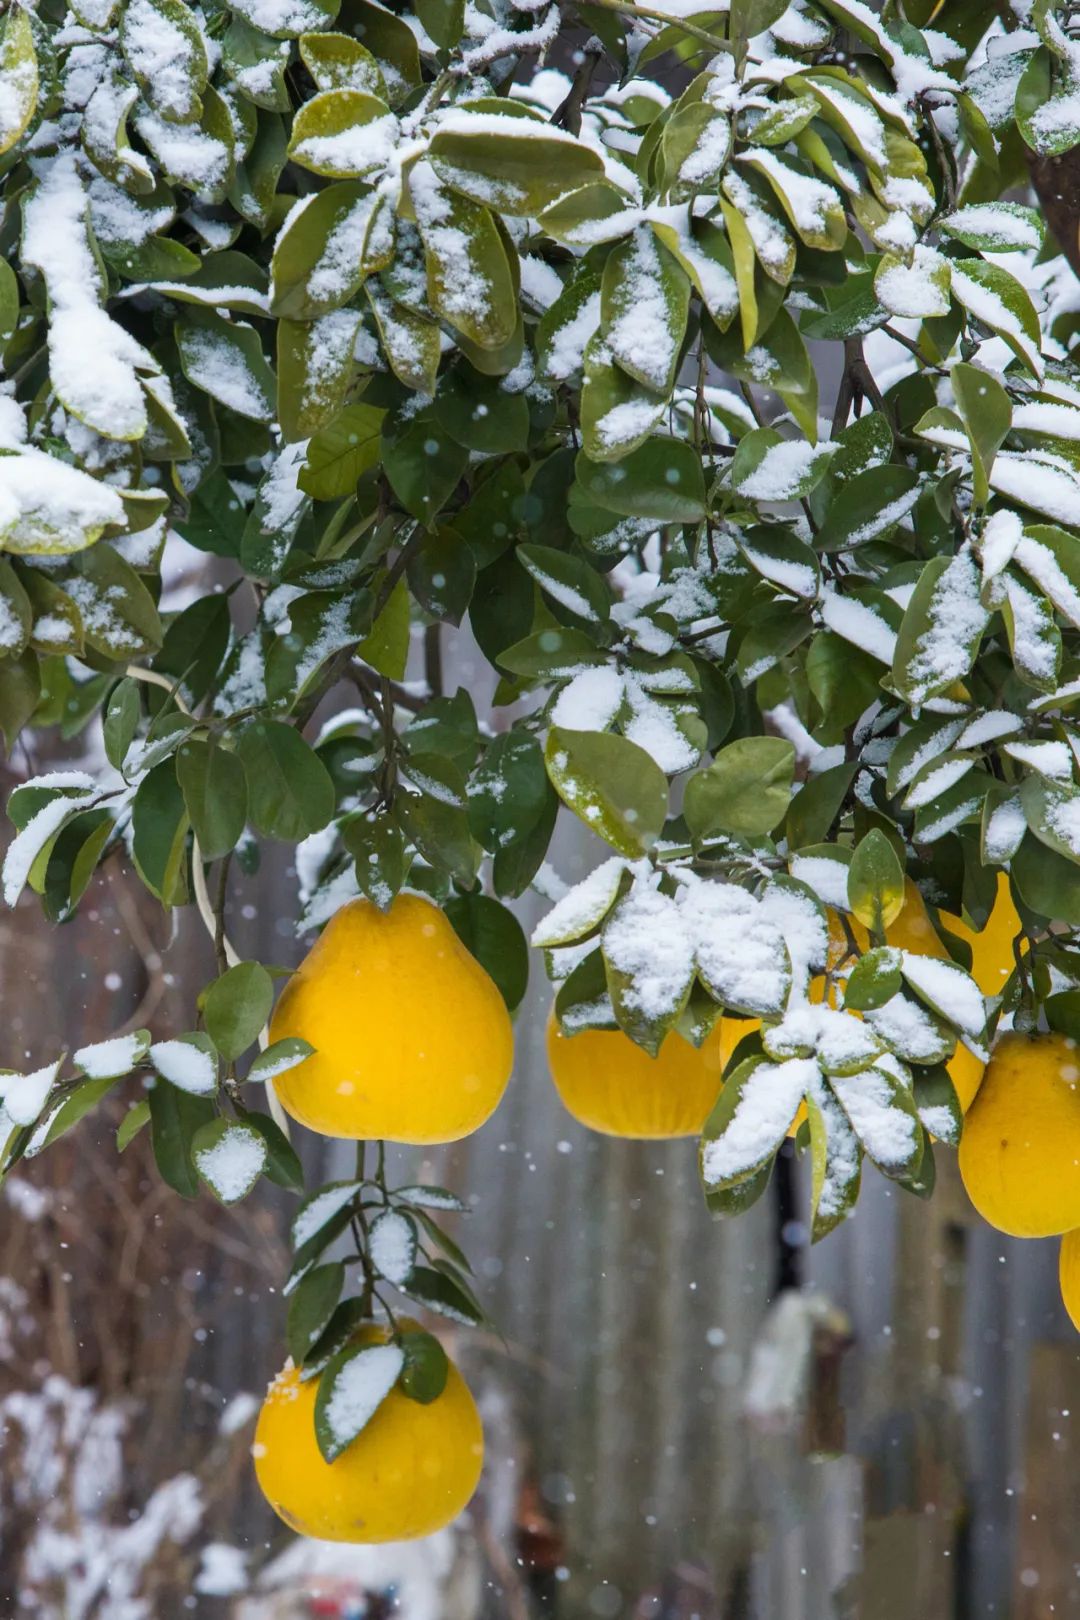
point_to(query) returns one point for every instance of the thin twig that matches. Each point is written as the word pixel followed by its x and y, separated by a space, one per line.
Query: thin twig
pixel 652 15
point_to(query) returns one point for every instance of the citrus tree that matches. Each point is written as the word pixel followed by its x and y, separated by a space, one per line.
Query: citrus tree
pixel 513 316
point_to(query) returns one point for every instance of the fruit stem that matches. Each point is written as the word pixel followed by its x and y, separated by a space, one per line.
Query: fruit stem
pixel 360 1234
pixel 1026 1017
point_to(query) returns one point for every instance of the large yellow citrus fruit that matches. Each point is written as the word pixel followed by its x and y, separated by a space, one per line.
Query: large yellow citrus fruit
pixel 992 961
pixel 992 958
pixel 412 1039
pixel 1020 1151
pixel 408 1473
pixel 1069 1275
pixel 611 1085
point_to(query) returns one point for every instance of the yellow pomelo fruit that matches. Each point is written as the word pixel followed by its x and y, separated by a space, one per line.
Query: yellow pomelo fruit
pixel 408 1473
pixel 992 961
pixel 412 1039
pixel 611 1085
pixel 1069 1275
pixel 1020 1151
pixel 966 1072
pixel 992 958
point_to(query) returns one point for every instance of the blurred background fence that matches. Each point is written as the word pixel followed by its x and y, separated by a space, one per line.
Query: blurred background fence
pixel 672 1434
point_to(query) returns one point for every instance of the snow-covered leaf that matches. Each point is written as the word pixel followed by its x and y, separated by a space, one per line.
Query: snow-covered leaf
pixel 188 1062
pixel 742 957
pixel 649 955
pixel 882 1114
pixel 835 1159
pixel 351 1390
pixel 583 908
pixel 751 1118
pixel 392 1240
pixel 230 1158
pixel 942 628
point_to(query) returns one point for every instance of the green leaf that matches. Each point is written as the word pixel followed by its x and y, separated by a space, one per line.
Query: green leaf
pixel 175 1118
pixel 338 62
pixel 299 17
pixel 745 791
pixel 614 786
pixel 318 256
pixel 256 64
pixel 987 414
pixel 819 801
pixel 480 413
pixel 568 581
pixel 836 1163
pixel 996 227
pixel 751 17
pixel 423 1377
pixel 641 272
pixel 875 882
pixel 1048 121
pixel 120 720
pixel 132 1123
pixel 342 134
pixel 225 360
pixel 386 646
pixel 852 310
pixel 424 466
pixel 118 613
pixel 440 830
pixel 937 1105
pixel 75 1106
pixel 494 936
pixel 229 1157
pixel 942 628
pixel 411 341
pixel 442 575
pixel 18 76
pixel 389 39
pixel 160 824
pixel 311 1306
pixel 428 1197
pixel 509 790
pixel 20 688
pixel 881 1112
pixel 1047 883
pixel 278 1058
pixel 214 521
pixel 662 479
pixel 813 207
pixel 471 281
pixel 237 1006
pixel 444 1294
pixel 351 1390
pixel 340 454
pixel 315 366
pixel 769 468
pixel 290 792
pixel 999 302
pixel 378 850
pixel 874 980
pixel 214 787
pixel 283 1165
pixel 519 168
pixel 868 506
pixel 163 47
pixel 770 1093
